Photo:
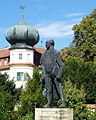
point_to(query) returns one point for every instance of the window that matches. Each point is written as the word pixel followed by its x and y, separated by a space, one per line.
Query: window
pixel 28 58
pixel 20 56
pixel 20 76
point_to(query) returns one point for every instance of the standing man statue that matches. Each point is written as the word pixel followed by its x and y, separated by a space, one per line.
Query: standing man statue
pixel 52 68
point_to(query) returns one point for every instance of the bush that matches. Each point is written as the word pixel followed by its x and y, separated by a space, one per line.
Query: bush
pixel 81 73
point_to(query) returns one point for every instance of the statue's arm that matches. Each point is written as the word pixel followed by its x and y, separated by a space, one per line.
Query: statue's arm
pixel 60 65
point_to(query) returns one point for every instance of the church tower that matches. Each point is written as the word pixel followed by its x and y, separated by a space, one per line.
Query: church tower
pixel 22 38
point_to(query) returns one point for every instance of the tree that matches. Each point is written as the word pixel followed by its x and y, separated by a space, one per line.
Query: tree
pixel 75 98
pixel 66 53
pixel 9 95
pixel 31 96
pixel 84 42
pixel 82 73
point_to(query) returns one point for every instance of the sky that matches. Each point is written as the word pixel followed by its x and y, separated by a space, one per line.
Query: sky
pixel 53 19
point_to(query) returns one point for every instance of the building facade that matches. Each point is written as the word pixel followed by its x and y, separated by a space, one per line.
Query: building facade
pixel 17 63
pixel 19 60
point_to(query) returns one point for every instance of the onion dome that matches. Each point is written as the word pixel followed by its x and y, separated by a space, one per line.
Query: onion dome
pixel 22 35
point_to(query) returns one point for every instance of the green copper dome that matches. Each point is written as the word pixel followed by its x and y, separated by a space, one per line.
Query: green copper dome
pixel 22 35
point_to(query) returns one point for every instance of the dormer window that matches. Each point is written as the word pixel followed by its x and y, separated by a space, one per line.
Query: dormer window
pixel 20 56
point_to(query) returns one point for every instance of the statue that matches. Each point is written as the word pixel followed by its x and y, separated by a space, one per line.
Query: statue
pixel 52 69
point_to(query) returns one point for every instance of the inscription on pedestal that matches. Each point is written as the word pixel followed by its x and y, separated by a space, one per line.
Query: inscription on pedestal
pixel 53 114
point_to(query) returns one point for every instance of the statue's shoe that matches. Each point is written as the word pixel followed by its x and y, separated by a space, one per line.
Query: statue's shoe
pixel 46 106
pixel 62 106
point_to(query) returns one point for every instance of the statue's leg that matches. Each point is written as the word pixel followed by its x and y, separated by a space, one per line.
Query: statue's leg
pixel 62 97
pixel 49 92
pixel 49 100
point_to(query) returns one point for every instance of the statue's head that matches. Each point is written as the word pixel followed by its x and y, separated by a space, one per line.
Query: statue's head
pixel 49 43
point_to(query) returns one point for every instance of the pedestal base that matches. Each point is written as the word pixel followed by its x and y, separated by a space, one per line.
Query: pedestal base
pixel 53 114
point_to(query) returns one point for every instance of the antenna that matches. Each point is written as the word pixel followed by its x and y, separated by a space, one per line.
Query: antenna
pixel 22 8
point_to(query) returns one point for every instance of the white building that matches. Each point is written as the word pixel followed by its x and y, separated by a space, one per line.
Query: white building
pixel 20 59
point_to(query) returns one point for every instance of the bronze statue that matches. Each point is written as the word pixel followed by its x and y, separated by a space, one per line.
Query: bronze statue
pixel 52 67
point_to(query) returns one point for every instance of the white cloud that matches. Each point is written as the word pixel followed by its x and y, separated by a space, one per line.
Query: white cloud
pixel 57 30
pixel 74 14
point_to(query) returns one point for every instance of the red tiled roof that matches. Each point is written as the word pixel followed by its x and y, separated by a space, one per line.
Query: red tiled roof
pixel 4 67
pixel 4 52
pixel 39 50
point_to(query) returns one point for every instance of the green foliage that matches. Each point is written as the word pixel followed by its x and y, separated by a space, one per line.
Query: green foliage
pixel 5 99
pixel 31 96
pixel 9 87
pixel 75 98
pixel 9 95
pixel 81 73
pixel 66 53
pixel 91 115
pixel 27 117
pixel 84 42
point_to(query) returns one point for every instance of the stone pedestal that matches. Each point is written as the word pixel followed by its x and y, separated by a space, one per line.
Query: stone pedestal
pixel 53 114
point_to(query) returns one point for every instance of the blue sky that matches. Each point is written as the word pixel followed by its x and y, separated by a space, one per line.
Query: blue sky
pixel 53 18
